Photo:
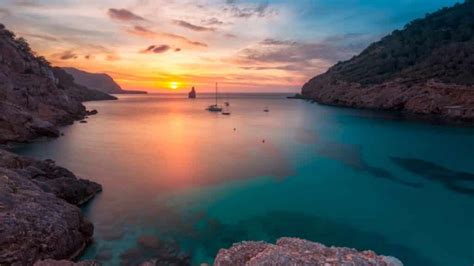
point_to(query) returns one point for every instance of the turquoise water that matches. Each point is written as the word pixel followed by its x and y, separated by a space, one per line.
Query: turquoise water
pixel 177 173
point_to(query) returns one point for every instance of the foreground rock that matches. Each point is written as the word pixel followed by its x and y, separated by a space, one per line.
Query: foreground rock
pixel 293 251
pixel 426 68
pixel 38 216
pixel 34 97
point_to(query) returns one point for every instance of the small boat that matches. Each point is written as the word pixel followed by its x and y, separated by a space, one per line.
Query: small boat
pixel 226 111
pixel 266 110
pixel 215 107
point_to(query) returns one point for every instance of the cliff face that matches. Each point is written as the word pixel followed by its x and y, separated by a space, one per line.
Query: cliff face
pixel 39 217
pixel 33 100
pixel 426 68
pixel 98 81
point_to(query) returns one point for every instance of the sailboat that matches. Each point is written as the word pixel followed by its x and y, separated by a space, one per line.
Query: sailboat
pixel 214 107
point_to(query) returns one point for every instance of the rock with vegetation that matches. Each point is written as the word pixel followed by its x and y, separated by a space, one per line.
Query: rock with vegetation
pixel 426 68
pixel 293 251
pixel 98 81
pixel 34 97
pixel 39 217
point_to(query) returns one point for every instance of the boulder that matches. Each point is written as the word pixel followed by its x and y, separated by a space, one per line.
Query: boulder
pixel 38 212
pixel 294 251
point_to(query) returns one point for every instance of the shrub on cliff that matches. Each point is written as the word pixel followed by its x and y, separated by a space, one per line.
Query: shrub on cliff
pixel 439 46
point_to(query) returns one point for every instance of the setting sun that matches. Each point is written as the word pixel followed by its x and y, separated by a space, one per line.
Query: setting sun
pixel 174 85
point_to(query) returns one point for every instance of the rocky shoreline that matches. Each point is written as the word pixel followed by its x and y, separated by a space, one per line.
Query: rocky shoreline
pixel 431 100
pixel 39 214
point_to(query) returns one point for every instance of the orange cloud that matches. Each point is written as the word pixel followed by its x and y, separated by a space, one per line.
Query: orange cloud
pixel 190 26
pixel 123 15
pixel 157 49
pixel 147 33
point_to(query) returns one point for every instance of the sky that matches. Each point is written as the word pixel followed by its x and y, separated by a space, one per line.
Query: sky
pixel 171 45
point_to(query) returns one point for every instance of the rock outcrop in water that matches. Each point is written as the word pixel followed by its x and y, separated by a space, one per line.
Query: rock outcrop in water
pixel 426 68
pixel 34 97
pixel 192 94
pixel 98 81
pixel 39 217
pixel 293 251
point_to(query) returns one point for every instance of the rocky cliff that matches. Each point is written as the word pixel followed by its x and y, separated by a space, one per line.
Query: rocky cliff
pixel 293 251
pixel 426 68
pixel 39 217
pixel 34 97
pixel 98 81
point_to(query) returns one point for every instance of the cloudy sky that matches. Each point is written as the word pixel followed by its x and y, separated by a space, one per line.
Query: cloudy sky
pixel 268 45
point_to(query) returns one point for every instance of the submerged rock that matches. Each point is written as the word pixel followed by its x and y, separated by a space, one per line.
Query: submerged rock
pixel 156 251
pixel 66 263
pixel 39 219
pixel 293 251
pixel 149 242
pixel 104 255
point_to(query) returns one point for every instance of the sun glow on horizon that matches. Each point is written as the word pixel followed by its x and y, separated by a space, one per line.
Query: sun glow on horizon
pixel 174 85
pixel 198 43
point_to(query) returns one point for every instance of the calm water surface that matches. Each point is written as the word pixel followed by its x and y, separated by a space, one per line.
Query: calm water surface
pixel 338 176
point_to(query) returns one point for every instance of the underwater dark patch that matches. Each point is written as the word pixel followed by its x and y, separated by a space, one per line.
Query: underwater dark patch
pixel 457 181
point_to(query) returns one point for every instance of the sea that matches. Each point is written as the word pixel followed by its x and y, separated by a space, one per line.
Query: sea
pixel 181 181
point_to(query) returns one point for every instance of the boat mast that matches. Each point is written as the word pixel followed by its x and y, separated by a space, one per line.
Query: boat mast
pixel 216 93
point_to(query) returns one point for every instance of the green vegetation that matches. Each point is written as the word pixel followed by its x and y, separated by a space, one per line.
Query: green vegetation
pixel 440 46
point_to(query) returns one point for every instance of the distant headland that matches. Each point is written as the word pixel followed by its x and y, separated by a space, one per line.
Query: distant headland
pixel 98 81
